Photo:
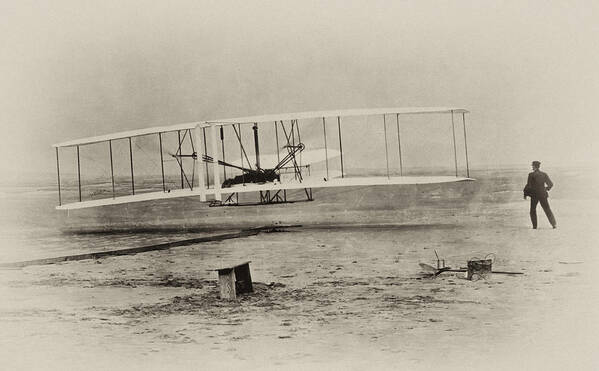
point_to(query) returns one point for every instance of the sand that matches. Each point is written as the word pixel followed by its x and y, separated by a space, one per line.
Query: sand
pixel 343 297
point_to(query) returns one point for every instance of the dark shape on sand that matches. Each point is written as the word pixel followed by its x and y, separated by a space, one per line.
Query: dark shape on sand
pixel 234 280
pixel 141 249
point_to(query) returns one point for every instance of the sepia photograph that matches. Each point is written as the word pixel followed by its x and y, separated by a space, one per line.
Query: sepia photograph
pixel 299 185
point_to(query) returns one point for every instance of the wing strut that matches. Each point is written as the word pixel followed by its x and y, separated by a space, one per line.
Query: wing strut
pixel 299 140
pixel 399 146
pixel 111 167
pixel 277 138
pixel 292 133
pixel 256 145
pixel 188 131
pixel 340 145
pixel 58 173
pixel 161 162
pixel 131 160
pixel 216 171
pixel 326 152
pixel 222 142
pixel 455 152
pixel 179 153
pixel 386 149
pixel 206 154
pixel 79 173
pixel 241 151
pixel 465 144
pixel 201 184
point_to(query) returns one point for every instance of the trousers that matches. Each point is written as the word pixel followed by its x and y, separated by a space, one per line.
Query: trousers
pixel 545 205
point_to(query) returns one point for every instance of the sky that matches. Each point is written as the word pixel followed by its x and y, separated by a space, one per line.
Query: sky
pixel 527 71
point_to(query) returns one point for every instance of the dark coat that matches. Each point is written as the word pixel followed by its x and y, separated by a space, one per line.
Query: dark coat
pixel 535 187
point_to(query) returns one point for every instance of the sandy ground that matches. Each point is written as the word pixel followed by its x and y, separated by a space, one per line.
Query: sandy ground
pixel 326 298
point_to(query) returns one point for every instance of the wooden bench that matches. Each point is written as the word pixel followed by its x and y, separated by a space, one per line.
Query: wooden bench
pixel 234 280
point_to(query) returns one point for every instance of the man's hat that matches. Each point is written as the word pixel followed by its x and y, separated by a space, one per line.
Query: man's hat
pixel 536 163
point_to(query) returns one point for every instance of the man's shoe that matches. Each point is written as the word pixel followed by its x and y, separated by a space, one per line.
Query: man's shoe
pixel 555 226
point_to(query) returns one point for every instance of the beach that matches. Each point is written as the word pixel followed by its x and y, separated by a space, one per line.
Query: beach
pixel 340 292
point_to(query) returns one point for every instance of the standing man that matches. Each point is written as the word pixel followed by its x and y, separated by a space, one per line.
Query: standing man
pixel 536 189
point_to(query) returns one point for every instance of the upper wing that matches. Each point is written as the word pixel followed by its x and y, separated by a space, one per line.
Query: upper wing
pixel 264 118
pixel 128 134
pixel 339 113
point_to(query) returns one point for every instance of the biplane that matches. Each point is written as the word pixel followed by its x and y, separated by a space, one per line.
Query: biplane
pixel 263 156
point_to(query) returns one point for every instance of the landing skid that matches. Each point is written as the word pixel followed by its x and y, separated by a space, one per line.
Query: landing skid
pixel 266 198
